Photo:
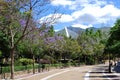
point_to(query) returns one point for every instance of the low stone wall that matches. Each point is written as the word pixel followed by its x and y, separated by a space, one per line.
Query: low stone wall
pixel 7 75
pixel 18 73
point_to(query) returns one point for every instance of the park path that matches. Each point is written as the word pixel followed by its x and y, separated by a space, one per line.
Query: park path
pixel 95 72
pixel 71 73
pixel 100 72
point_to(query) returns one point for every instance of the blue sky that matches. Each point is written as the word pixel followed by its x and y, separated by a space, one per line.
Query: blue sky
pixel 85 13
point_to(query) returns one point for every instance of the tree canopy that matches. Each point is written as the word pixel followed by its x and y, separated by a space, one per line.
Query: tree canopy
pixel 113 43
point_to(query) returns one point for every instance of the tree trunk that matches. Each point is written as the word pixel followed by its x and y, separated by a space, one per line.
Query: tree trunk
pixel 110 65
pixel 85 59
pixel 79 60
pixel 94 60
pixel 39 64
pixel 109 69
pixel 1 69
pixel 33 64
pixel 12 63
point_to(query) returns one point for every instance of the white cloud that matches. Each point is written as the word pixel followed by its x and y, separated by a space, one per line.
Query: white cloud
pixel 61 2
pixel 87 19
pixel 82 26
pixel 50 19
pixel 77 14
pixel 66 18
pixel 88 12
pixel 56 30
pixel 96 14
pixel 57 17
pixel 79 4
pixel 88 15
pixel 115 12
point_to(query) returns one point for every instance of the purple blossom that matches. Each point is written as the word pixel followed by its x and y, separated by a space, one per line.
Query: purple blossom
pixel 51 39
pixel 9 0
pixel 59 38
pixel 42 34
pixel 47 30
pixel 54 42
pixel 22 22
pixel 54 39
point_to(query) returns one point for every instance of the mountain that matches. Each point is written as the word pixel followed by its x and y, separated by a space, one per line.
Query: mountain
pixel 68 32
pixel 104 29
pixel 76 29
pixel 73 32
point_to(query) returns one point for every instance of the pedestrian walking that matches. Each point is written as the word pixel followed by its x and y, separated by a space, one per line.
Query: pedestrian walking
pixel 115 63
pixel 43 67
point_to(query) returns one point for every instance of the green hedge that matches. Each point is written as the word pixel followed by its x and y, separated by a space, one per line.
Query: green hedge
pixel 28 67
pixel 18 68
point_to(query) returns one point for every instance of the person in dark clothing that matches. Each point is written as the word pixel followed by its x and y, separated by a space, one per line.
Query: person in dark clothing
pixel 115 63
pixel 43 67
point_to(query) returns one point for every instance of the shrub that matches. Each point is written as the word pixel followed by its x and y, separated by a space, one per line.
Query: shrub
pixel 26 61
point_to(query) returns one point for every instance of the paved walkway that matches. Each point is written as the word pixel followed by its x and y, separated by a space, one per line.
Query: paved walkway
pixel 72 73
pixel 57 74
pixel 95 72
pixel 101 73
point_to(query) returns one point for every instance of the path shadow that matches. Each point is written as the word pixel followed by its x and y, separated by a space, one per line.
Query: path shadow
pixel 98 72
pixel 101 77
pixel 110 76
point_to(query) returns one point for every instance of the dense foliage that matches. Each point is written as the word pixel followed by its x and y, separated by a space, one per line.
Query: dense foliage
pixel 92 45
pixel 113 44
pixel 24 42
